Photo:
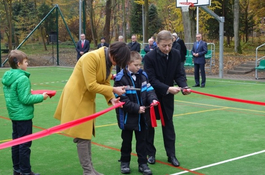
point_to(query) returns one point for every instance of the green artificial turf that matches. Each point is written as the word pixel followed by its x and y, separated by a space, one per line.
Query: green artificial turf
pixel 208 131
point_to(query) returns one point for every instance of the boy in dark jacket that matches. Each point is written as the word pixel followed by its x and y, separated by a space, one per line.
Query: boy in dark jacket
pixel 19 102
pixel 133 116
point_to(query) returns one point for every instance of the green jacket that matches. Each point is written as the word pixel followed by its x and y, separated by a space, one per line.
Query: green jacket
pixel 17 90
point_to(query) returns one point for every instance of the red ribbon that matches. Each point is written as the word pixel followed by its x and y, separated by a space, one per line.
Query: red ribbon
pixel 153 115
pixel 56 128
pixel 228 98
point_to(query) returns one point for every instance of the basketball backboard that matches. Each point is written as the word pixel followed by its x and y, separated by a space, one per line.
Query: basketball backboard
pixel 195 2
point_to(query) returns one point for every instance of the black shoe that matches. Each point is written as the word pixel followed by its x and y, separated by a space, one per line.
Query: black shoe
pixel 125 168
pixel 31 173
pixel 143 168
pixel 196 85
pixel 151 160
pixel 173 160
pixel 202 86
pixel 16 173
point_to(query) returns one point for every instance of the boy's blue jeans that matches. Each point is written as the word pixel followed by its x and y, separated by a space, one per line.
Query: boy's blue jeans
pixel 21 153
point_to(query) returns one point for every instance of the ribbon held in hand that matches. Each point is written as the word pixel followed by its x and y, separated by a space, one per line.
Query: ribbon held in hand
pixel 153 115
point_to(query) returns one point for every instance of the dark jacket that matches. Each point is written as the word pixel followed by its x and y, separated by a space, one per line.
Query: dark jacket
pixel 162 73
pixel 17 90
pixel 128 116
pixel 202 50
pixel 105 44
pixel 176 45
pixel 134 46
pixel 183 51
pixel 148 47
pixel 84 49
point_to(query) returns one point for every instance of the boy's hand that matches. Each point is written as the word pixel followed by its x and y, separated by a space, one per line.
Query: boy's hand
pixel 142 109
pixel 45 95
pixel 155 103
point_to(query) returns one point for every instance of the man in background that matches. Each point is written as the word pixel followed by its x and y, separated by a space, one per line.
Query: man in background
pixel 134 45
pixel 198 52
pixel 82 46
pixel 102 43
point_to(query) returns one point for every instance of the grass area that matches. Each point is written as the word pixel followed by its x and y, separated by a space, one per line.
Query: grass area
pixel 208 131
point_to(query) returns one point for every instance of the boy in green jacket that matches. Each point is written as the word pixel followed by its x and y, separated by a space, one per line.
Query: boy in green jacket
pixel 19 103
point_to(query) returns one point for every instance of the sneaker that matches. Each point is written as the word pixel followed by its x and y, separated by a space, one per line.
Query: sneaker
pixel 143 168
pixel 125 168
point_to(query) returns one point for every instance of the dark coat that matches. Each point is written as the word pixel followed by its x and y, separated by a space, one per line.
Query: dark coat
pixel 183 51
pixel 84 49
pixel 148 47
pixel 128 116
pixel 162 73
pixel 176 45
pixel 105 44
pixel 202 50
pixel 134 46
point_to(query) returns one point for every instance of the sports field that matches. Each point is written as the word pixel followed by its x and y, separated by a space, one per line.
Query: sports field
pixel 214 136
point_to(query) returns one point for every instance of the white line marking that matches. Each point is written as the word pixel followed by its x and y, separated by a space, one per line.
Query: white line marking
pixel 222 162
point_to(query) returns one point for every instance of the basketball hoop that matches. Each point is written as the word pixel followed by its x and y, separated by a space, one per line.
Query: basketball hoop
pixel 186 5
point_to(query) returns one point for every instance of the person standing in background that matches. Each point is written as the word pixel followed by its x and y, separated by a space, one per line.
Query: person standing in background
pixel 102 43
pixel 134 45
pixel 198 52
pixel 82 46
pixel 183 50
pixel 150 45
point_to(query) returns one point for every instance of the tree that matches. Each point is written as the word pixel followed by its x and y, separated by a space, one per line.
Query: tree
pixel 8 9
pixel 107 21
pixel 91 17
pixel 236 27
pixel 136 19
pixel 155 23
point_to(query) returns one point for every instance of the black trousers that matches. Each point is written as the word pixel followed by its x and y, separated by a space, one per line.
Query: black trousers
pixel 21 153
pixel 126 147
pixel 169 137
pixel 197 69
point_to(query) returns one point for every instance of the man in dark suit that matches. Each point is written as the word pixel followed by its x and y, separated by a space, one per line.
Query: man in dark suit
pixel 82 46
pixel 183 50
pixel 134 45
pixel 102 43
pixel 198 51
pixel 163 67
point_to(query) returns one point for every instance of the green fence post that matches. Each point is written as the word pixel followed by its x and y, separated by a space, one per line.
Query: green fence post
pixel 57 30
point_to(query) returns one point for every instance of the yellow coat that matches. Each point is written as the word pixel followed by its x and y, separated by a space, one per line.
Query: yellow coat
pixel 78 96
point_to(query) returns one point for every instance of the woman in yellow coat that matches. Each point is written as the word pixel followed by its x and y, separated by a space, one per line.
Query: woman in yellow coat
pixel 90 76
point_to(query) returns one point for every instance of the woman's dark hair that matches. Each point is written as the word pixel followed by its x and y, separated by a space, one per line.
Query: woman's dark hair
pixel 120 53
pixel 16 56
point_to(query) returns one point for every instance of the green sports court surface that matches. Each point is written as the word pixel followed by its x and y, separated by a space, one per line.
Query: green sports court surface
pixel 213 136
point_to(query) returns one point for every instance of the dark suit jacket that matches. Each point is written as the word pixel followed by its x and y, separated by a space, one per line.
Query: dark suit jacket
pixel 162 73
pixel 84 49
pixel 147 48
pixel 105 44
pixel 202 50
pixel 134 46
pixel 183 51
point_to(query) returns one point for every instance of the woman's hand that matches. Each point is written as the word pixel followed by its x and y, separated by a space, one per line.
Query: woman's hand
pixel 119 90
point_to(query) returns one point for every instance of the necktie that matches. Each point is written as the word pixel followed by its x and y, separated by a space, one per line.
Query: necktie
pixel 82 44
pixel 197 45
